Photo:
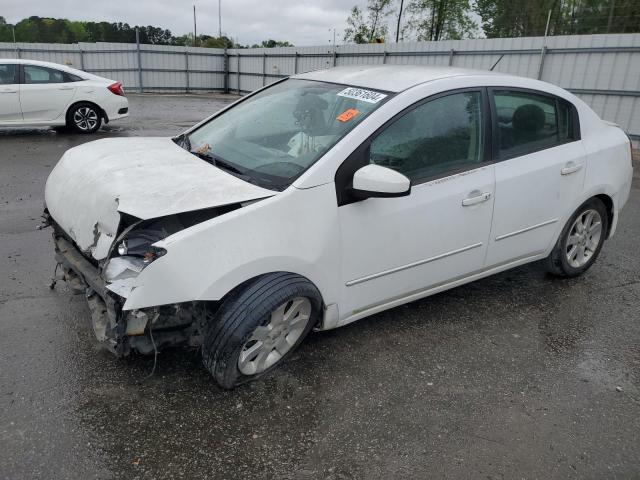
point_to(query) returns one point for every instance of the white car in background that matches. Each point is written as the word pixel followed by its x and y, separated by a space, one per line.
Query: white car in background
pixel 327 197
pixel 37 93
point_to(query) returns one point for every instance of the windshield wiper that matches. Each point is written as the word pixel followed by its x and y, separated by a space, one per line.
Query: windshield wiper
pixel 221 164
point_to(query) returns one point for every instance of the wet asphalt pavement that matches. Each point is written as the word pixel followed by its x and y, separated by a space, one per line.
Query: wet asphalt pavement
pixel 516 376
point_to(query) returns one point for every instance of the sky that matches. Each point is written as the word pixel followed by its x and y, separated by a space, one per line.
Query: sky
pixel 301 22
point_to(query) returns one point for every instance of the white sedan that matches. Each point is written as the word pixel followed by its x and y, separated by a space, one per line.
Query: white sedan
pixel 328 197
pixel 48 94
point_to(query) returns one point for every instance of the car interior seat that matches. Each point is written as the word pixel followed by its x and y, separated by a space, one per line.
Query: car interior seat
pixel 528 121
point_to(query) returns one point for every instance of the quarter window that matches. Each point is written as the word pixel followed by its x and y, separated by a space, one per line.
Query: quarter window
pixel 565 122
pixel 8 74
pixel 442 135
pixel 528 122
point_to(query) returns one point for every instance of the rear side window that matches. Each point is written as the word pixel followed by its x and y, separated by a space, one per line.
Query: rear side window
pixel 528 122
pixel 34 74
pixel 8 73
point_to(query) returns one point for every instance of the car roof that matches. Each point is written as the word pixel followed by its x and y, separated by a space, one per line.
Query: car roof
pixel 392 78
pixel 57 66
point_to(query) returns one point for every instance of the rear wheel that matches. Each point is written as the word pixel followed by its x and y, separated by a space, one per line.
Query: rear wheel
pixel 84 117
pixel 580 241
pixel 258 326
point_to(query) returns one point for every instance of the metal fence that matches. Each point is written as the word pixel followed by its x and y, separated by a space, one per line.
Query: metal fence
pixel 604 70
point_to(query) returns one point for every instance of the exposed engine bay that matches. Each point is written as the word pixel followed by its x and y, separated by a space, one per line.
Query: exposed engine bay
pixel 107 283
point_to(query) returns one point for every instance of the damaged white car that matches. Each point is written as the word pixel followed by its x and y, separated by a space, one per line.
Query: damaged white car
pixel 328 197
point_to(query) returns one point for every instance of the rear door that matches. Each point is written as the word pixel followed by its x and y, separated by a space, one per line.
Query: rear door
pixel 539 173
pixel 45 93
pixel 9 94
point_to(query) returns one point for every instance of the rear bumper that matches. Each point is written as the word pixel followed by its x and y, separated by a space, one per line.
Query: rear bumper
pixel 116 107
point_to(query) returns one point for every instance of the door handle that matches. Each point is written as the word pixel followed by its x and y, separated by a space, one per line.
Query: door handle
pixel 570 167
pixel 66 88
pixel 8 91
pixel 477 197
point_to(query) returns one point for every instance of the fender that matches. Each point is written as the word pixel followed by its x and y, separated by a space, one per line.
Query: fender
pixel 208 260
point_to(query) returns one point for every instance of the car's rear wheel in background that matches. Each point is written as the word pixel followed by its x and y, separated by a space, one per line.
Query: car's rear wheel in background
pixel 84 117
pixel 580 241
pixel 258 326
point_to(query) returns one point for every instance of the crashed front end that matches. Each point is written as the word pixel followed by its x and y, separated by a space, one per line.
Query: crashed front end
pixel 109 202
pixel 108 284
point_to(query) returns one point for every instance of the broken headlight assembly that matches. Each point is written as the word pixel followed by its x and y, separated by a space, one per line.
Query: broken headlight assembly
pixel 134 252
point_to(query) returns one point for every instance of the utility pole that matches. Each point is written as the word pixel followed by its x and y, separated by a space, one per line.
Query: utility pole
pixel 15 45
pixel 611 8
pixel 399 17
pixel 219 20
pixel 543 50
pixel 195 33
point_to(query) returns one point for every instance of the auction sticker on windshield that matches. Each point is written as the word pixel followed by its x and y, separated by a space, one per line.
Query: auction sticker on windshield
pixel 368 96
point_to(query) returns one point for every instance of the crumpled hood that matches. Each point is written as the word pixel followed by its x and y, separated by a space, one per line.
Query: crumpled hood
pixel 143 177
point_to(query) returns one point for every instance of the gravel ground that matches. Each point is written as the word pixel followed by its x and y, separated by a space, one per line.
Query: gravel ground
pixel 516 376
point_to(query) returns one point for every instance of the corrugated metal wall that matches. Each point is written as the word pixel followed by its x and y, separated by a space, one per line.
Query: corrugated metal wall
pixel 604 70
pixel 159 67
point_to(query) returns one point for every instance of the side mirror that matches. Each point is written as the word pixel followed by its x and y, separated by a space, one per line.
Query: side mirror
pixel 378 181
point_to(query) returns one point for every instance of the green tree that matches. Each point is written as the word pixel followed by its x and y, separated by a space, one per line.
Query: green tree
pixel 514 18
pixel 517 18
pixel 598 16
pixel 272 44
pixel 6 34
pixel 367 30
pixel 433 20
pixel 154 35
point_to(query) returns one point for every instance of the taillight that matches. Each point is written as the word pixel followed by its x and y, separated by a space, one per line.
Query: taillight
pixel 116 88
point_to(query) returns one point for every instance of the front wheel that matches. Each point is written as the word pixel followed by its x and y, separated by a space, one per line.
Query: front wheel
pixel 258 326
pixel 580 241
pixel 84 118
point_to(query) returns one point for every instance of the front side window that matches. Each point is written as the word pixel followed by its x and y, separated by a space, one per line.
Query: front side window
pixel 8 73
pixel 272 137
pixel 34 74
pixel 442 135
pixel 528 122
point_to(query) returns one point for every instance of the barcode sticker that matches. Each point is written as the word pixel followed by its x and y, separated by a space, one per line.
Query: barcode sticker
pixel 368 96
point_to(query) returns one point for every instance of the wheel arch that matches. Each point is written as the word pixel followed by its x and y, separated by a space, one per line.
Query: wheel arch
pixel 244 283
pixel 608 203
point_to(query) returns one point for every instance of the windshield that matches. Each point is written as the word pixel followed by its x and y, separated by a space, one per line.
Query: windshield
pixel 273 136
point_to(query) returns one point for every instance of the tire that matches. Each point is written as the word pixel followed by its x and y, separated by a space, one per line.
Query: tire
pixel 565 259
pixel 246 326
pixel 84 117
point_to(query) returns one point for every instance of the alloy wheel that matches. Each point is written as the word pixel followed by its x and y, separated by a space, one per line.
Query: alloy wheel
pixel 85 118
pixel 584 238
pixel 270 342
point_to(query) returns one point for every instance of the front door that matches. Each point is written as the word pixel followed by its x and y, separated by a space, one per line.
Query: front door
pixel 45 93
pixel 395 247
pixel 9 94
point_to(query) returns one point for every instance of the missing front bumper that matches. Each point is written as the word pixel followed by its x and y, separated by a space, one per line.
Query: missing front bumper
pixel 121 331
pixel 111 326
